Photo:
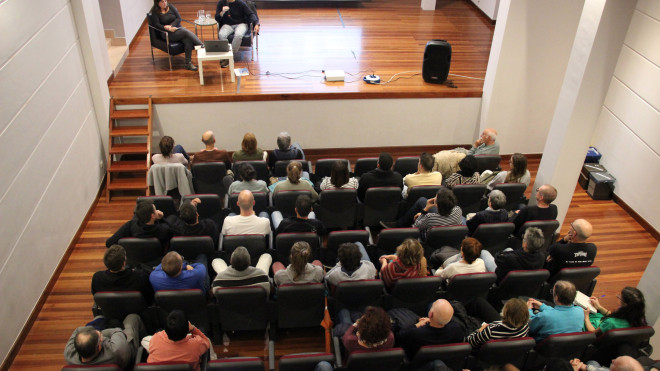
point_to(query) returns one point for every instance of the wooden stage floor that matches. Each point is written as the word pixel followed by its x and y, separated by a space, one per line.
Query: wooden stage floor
pixel 384 37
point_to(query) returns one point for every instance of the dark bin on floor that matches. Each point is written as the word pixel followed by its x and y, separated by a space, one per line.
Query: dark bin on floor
pixel 588 169
pixel 601 186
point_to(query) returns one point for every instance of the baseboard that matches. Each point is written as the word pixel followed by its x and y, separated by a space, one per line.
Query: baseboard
pixel 638 218
pixel 51 283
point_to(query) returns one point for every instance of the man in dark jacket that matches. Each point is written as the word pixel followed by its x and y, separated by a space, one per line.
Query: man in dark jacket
pixel 189 224
pixel 495 213
pixel 234 17
pixel 382 176
pixel 118 278
pixel 146 223
pixel 573 250
pixel 529 257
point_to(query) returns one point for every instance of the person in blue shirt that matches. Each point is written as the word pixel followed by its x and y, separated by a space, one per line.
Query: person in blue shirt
pixel 175 274
pixel 563 318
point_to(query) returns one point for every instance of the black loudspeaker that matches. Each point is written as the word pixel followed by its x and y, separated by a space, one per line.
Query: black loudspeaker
pixel 437 57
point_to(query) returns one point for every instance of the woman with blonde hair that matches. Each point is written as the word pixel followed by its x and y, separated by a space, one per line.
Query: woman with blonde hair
pixel 300 270
pixel 249 150
pixel 408 262
pixel 514 324
pixel 294 181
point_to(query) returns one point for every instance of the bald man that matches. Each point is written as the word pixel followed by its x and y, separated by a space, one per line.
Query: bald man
pixel 247 222
pixel 210 153
pixel 437 328
pixel 623 363
pixel 573 250
pixel 543 210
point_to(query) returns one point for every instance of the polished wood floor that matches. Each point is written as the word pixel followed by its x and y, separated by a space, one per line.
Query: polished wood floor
pixel 384 37
pixel 624 250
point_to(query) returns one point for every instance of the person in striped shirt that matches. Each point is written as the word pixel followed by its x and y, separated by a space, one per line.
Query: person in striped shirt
pixel 514 323
pixel 409 262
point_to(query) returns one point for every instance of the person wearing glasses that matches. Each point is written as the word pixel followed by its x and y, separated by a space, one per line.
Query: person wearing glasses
pixel 573 250
pixel 543 210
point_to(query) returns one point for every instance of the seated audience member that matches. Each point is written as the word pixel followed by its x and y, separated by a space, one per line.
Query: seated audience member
pixel 285 150
pixel 304 220
pixel 118 278
pixel 495 213
pixel 339 178
pixel 247 222
pixel 631 313
pixel 543 210
pixel 180 341
pixel 169 153
pixel 240 273
pixel 381 176
pixel 300 270
pixel 563 318
pixel 622 363
pixel 370 332
pixel 469 263
pixel 517 174
pixel 466 175
pixel 294 182
pixel 147 222
pixel 187 223
pixel 88 346
pixel 211 153
pixel 247 180
pixel 353 264
pixel 527 258
pixel 438 328
pixel 573 250
pixel 174 274
pixel 486 144
pixel 424 175
pixel 409 262
pixel 442 210
pixel 249 150
pixel 513 324
pixel 447 161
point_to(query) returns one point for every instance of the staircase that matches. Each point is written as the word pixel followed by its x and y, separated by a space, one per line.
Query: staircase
pixel 129 145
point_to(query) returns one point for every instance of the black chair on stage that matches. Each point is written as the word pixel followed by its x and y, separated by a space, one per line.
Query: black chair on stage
pixel 160 40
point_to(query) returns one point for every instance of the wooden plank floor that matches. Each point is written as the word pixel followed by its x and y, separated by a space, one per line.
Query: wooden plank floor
pixel 624 250
pixel 381 36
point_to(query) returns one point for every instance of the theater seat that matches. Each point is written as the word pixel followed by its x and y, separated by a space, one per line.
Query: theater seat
pixel 236 364
pixel 381 360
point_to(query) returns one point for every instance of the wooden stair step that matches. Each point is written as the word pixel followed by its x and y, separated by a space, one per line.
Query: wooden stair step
pixel 117 166
pixel 129 114
pixel 128 148
pixel 129 131
pixel 128 183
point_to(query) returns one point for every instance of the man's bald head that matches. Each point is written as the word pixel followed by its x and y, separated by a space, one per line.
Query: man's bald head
pixel 547 193
pixel 583 229
pixel 245 201
pixel 440 313
pixel 625 363
pixel 208 138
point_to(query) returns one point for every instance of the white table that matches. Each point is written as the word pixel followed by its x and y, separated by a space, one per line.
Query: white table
pixel 202 56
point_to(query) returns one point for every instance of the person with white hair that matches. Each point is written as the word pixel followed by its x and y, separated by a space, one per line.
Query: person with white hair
pixel 285 150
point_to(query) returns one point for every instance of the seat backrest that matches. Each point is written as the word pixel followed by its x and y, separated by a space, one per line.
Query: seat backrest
pixel 284 242
pixel 141 251
pixel 236 364
pixel 548 227
pixel 210 207
pixel 469 196
pixel 285 201
pixel 119 304
pixel 487 162
pixel 304 361
pixel 338 208
pixel 450 235
pixel 426 191
pixel 566 346
pixel 191 246
pixel 336 238
pixel 500 352
pixel 162 203
pixel 381 360
pixel 632 335
pixel 415 293
pixel 453 355
pixel 207 177
pixel 354 295
pixel 261 167
pixel 256 244
pixel 300 305
pixel 465 287
pixel 365 164
pixel 523 283
pixel 190 301
pixel 494 236
pixel 242 308
pixel 513 193
pixel 406 165
pixel 582 277
pixel 103 367
pixel 260 202
pixel 389 239
pixel 381 203
pixel 323 167
pixel 163 366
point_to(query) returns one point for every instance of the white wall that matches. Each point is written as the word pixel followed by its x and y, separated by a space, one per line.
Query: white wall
pixel 48 132
pixel 628 131
pixel 112 17
pixel 124 16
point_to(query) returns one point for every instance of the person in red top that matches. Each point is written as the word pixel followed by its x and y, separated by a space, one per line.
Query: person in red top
pixel 409 262
pixel 370 332
pixel 179 342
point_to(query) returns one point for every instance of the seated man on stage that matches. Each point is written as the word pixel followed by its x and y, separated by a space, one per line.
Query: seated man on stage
pixel 234 17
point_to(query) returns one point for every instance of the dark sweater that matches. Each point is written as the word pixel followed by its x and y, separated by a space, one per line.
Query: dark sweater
pixel 294 224
pixel 205 227
pixel 238 13
pixel 517 259
pixel 171 18
pixel 133 228
pixel 414 338
pixel 533 213
pixel 126 280
pixel 378 178
pixel 487 216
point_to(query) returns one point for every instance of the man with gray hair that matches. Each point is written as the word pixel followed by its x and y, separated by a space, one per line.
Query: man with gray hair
pixel 529 257
pixel 495 213
pixel 240 273
pixel 285 150
pixel 565 317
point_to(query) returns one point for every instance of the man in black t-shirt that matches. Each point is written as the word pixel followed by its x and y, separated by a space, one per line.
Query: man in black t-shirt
pixel 187 223
pixel 301 222
pixel 118 278
pixel 572 250
pixel 543 210
pixel 382 176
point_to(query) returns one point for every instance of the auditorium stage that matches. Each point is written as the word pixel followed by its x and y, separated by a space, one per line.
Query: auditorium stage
pixel 384 37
